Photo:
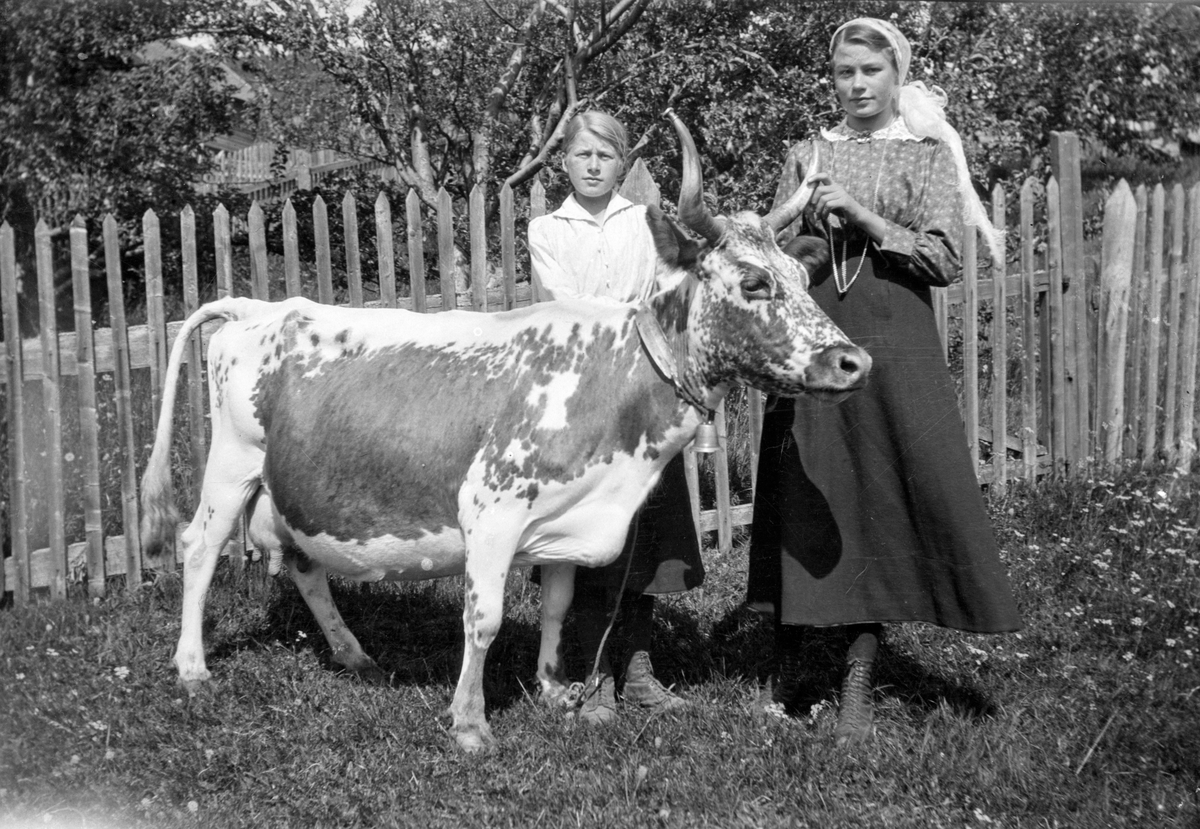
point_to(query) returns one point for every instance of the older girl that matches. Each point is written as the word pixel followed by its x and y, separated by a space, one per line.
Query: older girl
pixel 598 244
pixel 869 511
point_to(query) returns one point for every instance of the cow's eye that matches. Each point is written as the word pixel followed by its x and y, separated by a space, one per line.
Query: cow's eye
pixel 756 284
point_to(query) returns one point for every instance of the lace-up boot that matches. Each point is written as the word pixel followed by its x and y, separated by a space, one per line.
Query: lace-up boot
pixel 856 709
pixel 643 689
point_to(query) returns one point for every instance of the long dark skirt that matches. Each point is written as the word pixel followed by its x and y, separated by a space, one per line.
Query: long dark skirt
pixel 868 510
pixel 662 541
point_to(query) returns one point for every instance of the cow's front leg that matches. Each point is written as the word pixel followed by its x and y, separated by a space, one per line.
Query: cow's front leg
pixel 313 581
pixel 483 611
pixel 558 588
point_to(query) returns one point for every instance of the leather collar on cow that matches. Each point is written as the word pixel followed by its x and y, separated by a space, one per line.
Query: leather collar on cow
pixel 671 362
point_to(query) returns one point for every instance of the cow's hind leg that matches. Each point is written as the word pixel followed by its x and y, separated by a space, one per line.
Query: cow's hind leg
pixel 558 588
pixel 313 581
pixel 222 500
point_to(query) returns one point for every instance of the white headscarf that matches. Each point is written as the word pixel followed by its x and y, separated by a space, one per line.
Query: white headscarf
pixel 924 112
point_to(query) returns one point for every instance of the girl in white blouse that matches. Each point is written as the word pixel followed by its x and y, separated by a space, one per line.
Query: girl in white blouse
pixel 598 244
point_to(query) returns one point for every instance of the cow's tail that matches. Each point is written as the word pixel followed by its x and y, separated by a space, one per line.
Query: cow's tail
pixel 160 517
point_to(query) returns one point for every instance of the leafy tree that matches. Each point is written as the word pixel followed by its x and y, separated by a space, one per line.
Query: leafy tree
pixel 98 113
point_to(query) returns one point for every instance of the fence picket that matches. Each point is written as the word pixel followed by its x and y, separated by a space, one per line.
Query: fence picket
pixel 999 346
pixel 1059 395
pixel 89 426
pixel 384 251
pixel 291 252
pixel 416 251
pixel 257 243
pixel 195 368
pixel 445 229
pixel 970 347
pixel 324 255
pixel 223 247
pixel 1174 293
pixel 52 408
pixel 477 228
pixel 1120 215
pixel 353 258
pixel 1154 325
pixel 1188 337
pixel 156 316
pixel 1029 338
pixel 1137 326
pixel 120 348
pixel 19 580
pixel 508 247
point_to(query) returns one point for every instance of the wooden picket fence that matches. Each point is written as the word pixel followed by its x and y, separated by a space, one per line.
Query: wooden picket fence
pixel 1106 357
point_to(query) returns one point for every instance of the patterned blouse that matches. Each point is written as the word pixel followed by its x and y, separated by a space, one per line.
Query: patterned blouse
pixel 910 182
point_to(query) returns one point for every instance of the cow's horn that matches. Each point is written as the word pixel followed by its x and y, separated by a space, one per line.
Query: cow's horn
pixel 786 213
pixel 692 211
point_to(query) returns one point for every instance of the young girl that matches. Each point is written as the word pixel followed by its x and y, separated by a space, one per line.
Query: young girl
pixel 598 244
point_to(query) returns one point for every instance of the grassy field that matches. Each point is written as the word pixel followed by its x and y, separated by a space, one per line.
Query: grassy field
pixel 1090 717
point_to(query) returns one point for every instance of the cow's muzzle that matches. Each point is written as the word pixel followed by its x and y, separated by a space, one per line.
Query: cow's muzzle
pixel 838 368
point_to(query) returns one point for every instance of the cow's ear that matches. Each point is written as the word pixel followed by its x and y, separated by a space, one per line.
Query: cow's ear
pixel 810 251
pixel 674 247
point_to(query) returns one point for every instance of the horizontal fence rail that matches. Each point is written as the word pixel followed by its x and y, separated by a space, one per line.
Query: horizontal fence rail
pixel 1065 360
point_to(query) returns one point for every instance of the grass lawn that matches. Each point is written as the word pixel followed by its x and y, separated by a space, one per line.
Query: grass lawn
pixel 1090 717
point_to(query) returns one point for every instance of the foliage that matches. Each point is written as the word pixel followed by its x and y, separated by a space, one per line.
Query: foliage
pixel 98 113
pixel 1084 719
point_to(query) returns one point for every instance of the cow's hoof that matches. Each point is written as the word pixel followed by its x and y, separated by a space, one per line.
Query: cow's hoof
pixel 475 740
pixel 197 687
pixel 372 674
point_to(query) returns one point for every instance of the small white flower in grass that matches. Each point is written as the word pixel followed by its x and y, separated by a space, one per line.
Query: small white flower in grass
pixel 1128 657
pixel 49 627
pixel 97 725
pixel 109 754
pixel 1136 621
pixel 121 671
pixel 301 634
pixel 51 652
pixel 1170 643
pixel 69 457
pixel 20 676
pixel 75 758
pixel 193 806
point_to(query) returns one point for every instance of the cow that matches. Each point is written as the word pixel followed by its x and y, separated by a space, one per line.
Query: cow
pixel 385 444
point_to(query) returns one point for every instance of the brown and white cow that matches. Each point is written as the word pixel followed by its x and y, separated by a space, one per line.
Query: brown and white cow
pixel 384 444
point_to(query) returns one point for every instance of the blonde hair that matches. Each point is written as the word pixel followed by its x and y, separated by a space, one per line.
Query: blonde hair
pixel 602 125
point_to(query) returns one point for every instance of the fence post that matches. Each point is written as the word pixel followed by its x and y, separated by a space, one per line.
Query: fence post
pixel 257 238
pixel 291 252
pixel 18 504
pixel 191 302
pixel 156 323
pixel 1120 215
pixel 537 207
pixel 1065 164
pixel 223 251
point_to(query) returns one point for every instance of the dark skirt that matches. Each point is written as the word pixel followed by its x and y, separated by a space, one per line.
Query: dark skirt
pixel 662 541
pixel 868 510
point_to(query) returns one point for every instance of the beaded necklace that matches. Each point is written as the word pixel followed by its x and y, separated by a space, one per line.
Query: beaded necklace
pixel 840 279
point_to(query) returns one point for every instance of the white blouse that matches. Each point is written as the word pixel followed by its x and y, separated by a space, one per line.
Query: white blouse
pixel 574 255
